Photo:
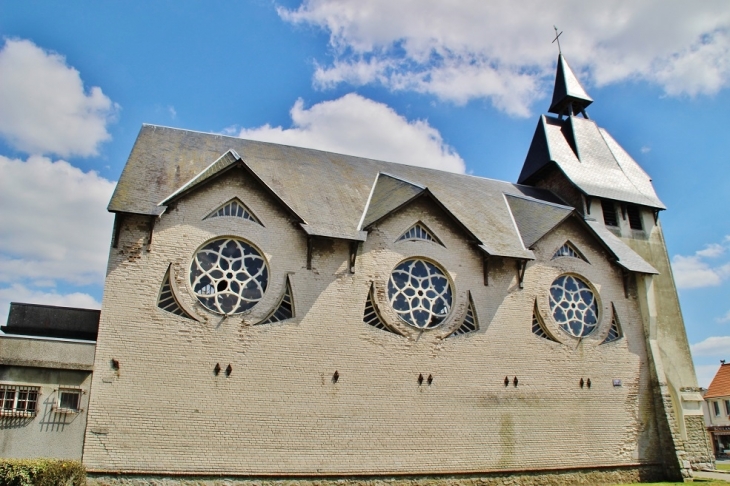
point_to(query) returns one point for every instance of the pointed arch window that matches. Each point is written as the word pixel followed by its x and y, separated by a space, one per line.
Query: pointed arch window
pixel 470 323
pixel 234 209
pixel 285 309
pixel 569 250
pixel 615 332
pixel 371 316
pixel 538 327
pixel 419 231
pixel 166 299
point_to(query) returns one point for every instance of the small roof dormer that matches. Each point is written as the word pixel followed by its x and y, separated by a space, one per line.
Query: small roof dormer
pixel 569 97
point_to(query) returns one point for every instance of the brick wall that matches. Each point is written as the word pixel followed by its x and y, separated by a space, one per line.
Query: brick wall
pixel 164 411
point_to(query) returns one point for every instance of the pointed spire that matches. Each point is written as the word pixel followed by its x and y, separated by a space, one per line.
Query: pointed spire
pixel 568 91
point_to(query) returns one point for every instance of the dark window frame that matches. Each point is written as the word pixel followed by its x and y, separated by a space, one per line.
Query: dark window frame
pixel 634 215
pixel 610 218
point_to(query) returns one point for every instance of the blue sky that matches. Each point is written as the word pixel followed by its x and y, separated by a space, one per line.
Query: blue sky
pixel 456 85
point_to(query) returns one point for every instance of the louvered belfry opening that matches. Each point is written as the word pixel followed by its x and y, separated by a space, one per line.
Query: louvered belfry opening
pixel 609 213
pixel 632 210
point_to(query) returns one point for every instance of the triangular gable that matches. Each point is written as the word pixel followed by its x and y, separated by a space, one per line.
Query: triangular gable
pixel 388 194
pixel 534 218
pixel 220 166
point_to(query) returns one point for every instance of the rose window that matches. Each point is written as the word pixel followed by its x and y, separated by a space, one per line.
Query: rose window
pixel 228 276
pixel 420 293
pixel 573 305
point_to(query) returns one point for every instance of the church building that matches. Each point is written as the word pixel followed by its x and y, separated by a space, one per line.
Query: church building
pixel 285 313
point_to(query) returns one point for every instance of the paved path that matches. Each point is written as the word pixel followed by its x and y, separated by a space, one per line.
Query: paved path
pixel 712 475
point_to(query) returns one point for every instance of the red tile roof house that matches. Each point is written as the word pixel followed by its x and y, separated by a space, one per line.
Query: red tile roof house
pixel 717 410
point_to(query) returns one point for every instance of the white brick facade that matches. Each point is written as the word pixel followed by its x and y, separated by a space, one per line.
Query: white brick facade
pixel 164 411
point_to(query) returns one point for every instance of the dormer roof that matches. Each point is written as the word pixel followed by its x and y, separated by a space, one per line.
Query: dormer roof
pixel 339 196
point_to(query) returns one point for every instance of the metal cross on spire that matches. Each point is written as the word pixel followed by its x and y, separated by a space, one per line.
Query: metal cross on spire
pixel 557 38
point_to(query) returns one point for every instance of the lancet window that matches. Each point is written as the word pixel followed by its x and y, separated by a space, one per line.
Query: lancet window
pixel 235 209
pixel 568 250
pixel 419 231
pixel 167 301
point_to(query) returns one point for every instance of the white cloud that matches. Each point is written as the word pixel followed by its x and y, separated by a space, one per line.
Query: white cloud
pixel 718 346
pixel 44 106
pixel 54 222
pixel 355 125
pixel 692 272
pixel 20 293
pixel 725 318
pixel 695 271
pixel 705 374
pixel 468 49
pixel 711 251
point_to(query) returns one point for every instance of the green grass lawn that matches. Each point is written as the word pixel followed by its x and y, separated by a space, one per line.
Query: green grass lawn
pixel 723 467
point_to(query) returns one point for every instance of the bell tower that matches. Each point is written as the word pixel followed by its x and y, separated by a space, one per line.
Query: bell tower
pixel 581 163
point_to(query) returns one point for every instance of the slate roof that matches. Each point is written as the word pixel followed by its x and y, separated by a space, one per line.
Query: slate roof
pixel 625 256
pixel 535 219
pixel 567 90
pixel 338 196
pixel 590 158
pixel 720 386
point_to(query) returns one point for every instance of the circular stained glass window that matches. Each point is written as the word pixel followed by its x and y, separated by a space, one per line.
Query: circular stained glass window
pixel 573 305
pixel 228 276
pixel 420 293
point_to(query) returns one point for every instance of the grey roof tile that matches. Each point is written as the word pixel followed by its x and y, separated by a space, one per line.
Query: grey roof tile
pixel 389 193
pixel 328 191
pixel 535 218
pixel 625 256
pixel 591 159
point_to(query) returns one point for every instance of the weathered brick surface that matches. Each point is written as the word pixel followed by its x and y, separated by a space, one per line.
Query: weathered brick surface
pixel 165 412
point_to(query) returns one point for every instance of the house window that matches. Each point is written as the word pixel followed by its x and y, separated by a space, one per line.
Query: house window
pixel 716 406
pixel 229 276
pixel 634 216
pixel 573 305
pixel 69 400
pixel 420 293
pixel 609 213
pixel 18 401
pixel 727 407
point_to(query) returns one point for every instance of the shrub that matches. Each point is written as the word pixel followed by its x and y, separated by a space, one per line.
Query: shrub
pixel 41 472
